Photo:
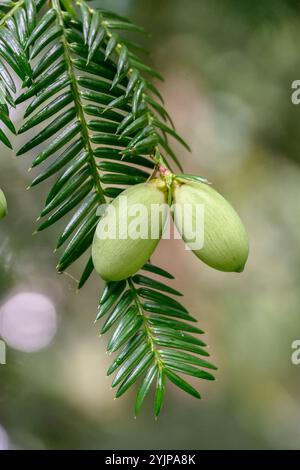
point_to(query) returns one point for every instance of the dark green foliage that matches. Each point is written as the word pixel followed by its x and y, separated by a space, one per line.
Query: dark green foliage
pixel 17 21
pixel 150 342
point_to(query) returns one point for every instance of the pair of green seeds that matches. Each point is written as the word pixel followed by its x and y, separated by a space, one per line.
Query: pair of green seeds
pixel 225 243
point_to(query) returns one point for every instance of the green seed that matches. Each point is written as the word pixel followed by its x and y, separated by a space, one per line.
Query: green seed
pixel 225 244
pixel 3 205
pixel 126 250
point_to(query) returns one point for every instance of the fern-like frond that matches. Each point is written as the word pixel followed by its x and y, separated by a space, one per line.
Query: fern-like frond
pixel 154 335
pixel 17 20
pixel 108 129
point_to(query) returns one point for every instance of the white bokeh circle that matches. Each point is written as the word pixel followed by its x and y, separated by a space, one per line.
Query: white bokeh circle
pixel 28 321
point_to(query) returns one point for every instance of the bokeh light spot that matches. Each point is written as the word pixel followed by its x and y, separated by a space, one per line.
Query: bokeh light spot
pixel 28 321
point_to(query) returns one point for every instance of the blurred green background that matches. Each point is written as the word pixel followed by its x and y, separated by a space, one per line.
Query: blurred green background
pixel 228 68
